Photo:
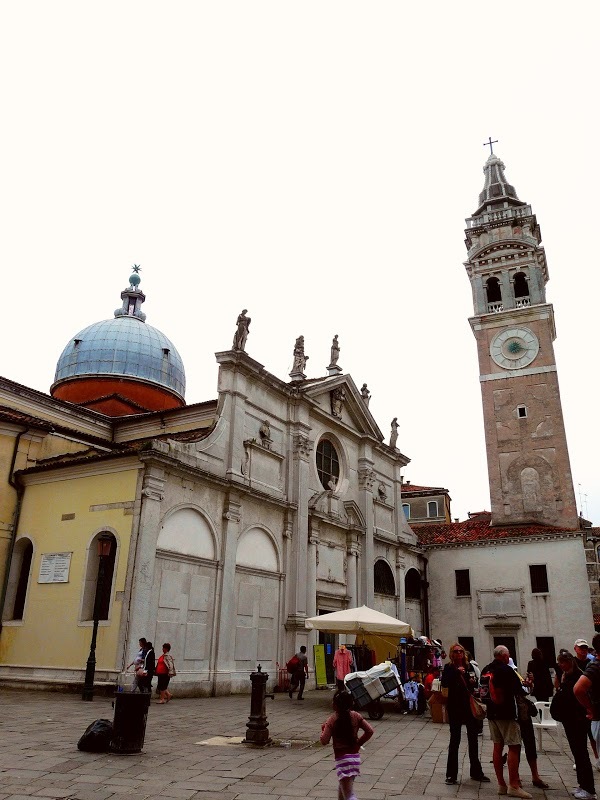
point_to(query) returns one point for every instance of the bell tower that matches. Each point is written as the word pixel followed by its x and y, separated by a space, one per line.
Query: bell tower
pixel 528 459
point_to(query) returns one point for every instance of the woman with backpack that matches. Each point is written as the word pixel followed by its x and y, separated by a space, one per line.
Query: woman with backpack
pixel 165 670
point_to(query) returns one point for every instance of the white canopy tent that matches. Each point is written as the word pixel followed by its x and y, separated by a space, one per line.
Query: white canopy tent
pixel 363 620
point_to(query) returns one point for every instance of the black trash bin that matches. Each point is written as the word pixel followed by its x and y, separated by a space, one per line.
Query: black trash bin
pixel 129 724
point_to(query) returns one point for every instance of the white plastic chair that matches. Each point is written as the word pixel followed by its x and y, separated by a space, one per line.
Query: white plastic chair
pixel 544 720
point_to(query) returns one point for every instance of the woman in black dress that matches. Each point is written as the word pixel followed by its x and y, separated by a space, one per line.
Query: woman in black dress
pixel 459 679
pixel 539 674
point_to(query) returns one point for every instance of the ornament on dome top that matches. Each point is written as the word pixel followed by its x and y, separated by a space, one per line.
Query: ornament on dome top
pixel 135 279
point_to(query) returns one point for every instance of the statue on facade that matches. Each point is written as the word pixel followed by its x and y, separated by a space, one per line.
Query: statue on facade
pixel 241 333
pixel 394 433
pixel 265 434
pixel 338 398
pixel 333 368
pixel 335 351
pixel 299 359
pixel 365 394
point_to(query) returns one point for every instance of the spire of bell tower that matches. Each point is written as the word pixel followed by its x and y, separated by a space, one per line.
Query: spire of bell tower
pixel 496 189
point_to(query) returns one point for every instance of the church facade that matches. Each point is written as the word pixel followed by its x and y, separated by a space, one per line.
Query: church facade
pixel 227 522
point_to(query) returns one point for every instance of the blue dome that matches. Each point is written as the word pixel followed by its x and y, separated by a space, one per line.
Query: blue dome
pixel 125 347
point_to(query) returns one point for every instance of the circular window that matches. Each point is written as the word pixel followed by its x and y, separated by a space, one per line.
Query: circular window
pixel 328 464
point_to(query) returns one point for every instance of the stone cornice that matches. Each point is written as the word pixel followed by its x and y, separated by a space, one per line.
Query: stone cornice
pixel 154 456
pixel 509 540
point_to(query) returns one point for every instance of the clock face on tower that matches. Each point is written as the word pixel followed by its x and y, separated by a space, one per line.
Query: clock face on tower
pixel 514 348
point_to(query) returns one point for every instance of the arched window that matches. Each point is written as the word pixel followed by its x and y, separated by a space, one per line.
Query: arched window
pixel 412 585
pixel 99 579
pixel 406 509
pixel 18 581
pixel 492 287
pixel 521 285
pixel 383 578
pixel 432 508
pixel 328 464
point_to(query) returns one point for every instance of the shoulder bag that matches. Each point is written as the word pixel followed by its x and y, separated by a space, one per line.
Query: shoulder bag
pixel 478 709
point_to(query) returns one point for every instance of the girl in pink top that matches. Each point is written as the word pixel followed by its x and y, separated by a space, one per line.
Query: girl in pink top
pixel 343 725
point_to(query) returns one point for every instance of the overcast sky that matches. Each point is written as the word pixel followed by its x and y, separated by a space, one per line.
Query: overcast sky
pixel 313 162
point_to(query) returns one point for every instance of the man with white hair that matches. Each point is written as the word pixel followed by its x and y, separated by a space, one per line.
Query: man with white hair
pixel 499 688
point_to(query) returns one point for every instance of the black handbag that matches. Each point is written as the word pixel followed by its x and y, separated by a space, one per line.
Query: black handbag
pixel 560 706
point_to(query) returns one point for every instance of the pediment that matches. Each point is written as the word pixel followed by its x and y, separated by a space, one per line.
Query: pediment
pixel 354 411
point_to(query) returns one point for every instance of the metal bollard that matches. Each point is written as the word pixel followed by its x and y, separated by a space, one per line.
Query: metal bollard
pixel 257 726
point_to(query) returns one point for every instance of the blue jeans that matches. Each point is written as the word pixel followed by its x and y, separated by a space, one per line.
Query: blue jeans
pixel 455 733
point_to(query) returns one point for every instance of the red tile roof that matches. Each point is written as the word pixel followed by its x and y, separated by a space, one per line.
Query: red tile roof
pixel 476 529
pixel 20 418
pixel 409 488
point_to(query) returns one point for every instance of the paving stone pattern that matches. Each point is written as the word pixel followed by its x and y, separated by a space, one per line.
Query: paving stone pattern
pixel 406 757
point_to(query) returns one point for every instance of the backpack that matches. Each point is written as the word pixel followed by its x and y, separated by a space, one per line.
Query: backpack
pixel 293 664
pixel 489 692
pixel 170 665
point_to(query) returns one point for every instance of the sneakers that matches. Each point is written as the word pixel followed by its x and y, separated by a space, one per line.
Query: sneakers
pixel 581 794
pixel 502 789
pixel 512 792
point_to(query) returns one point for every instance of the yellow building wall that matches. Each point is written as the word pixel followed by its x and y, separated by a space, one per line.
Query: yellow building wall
pixel 31 447
pixel 51 633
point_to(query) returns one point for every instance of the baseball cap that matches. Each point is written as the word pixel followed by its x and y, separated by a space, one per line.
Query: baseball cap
pixel 581 643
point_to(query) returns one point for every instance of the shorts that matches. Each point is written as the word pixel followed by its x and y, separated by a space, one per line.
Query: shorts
pixel 505 731
pixel 348 766
pixel 163 682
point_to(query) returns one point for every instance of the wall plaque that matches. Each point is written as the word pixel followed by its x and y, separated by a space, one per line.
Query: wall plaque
pixel 501 603
pixel 55 568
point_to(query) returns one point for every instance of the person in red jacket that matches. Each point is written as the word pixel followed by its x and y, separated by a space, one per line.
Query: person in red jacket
pixel 342 664
pixel 343 726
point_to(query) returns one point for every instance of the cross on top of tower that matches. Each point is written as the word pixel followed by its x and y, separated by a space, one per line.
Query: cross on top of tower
pixel 490 144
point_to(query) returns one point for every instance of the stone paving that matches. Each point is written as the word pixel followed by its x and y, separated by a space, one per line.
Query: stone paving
pixel 406 757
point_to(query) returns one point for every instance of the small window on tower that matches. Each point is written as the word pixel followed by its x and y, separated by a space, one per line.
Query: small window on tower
pixel 521 412
pixel 521 285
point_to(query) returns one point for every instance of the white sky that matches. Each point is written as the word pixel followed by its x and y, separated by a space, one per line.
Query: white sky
pixel 313 162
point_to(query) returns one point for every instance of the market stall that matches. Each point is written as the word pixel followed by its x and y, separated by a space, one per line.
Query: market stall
pixel 376 633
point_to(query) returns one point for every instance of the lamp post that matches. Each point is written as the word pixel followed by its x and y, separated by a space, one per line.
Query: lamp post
pixel 104 545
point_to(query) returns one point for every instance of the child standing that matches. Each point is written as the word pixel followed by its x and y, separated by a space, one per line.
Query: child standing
pixel 343 725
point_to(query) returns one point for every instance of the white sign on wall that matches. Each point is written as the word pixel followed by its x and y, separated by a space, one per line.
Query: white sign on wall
pixel 55 568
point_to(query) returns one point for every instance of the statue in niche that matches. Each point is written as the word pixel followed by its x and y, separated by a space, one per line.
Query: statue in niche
pixel 382 492
pixel 338 398
pixel 241 334
pixel 365 394
pixel 394 433
pixel 531 489
pixel 335 352
pixel 265 434
pixel 299 358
